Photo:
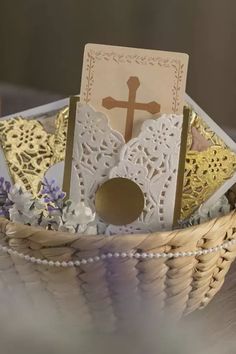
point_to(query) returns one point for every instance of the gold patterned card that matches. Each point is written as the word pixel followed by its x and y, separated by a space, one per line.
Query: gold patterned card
pixel 29 146
pixel 210 165
pixel 130 85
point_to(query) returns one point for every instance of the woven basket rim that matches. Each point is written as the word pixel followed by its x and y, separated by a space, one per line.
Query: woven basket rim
pixel 5 223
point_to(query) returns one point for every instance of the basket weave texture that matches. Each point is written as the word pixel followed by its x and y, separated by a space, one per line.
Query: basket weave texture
pixel 116 290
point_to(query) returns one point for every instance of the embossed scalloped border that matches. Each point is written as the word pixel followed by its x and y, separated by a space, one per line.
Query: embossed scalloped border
pixel 93 56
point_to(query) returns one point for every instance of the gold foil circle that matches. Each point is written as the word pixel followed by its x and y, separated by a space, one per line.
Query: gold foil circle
pixel 119 201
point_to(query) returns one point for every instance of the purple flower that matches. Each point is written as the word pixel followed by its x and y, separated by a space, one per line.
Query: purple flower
pixel 53 195
pixel 5 203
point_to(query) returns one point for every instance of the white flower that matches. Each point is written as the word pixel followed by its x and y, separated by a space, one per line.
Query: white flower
pixel 205 213
pixel 21 199
pixel 77 214
pixel 51 221
pixel 15 216
pixel 78 218
pixel 30 217
pixel 26 209
pixel 66 228
pixel 220 207
pixel 73 218
pixel 91 230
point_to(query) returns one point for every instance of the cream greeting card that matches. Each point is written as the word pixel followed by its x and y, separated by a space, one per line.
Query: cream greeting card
pixel 130 85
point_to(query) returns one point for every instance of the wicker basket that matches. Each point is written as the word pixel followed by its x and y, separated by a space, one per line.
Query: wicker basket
pixel 133 270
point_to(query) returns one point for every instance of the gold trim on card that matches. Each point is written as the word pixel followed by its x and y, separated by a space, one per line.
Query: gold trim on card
pixel 181 169
pixel 69 145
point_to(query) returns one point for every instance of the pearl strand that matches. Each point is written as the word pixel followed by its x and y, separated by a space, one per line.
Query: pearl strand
pixel 136 255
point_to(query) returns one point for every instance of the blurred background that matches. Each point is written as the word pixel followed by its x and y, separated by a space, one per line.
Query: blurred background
pixel 41 51
pixel 42 41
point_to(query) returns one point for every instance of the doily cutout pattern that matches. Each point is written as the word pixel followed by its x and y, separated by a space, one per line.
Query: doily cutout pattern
pixel 150 160
pixel 95 151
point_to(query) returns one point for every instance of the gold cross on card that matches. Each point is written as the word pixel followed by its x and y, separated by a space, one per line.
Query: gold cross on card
pixel 131 105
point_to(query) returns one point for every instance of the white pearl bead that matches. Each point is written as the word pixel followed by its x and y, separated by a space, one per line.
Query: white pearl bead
pixel 130 254
pixel 199 253
pixel 176 254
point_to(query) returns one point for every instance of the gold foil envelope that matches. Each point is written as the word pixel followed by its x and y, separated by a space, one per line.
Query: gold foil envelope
pixel 210 164
pixel 33 145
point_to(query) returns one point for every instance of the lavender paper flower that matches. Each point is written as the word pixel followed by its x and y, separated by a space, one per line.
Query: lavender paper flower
pixel 53 196
pixel 5 203
pixel 66 215
pixel 48 210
